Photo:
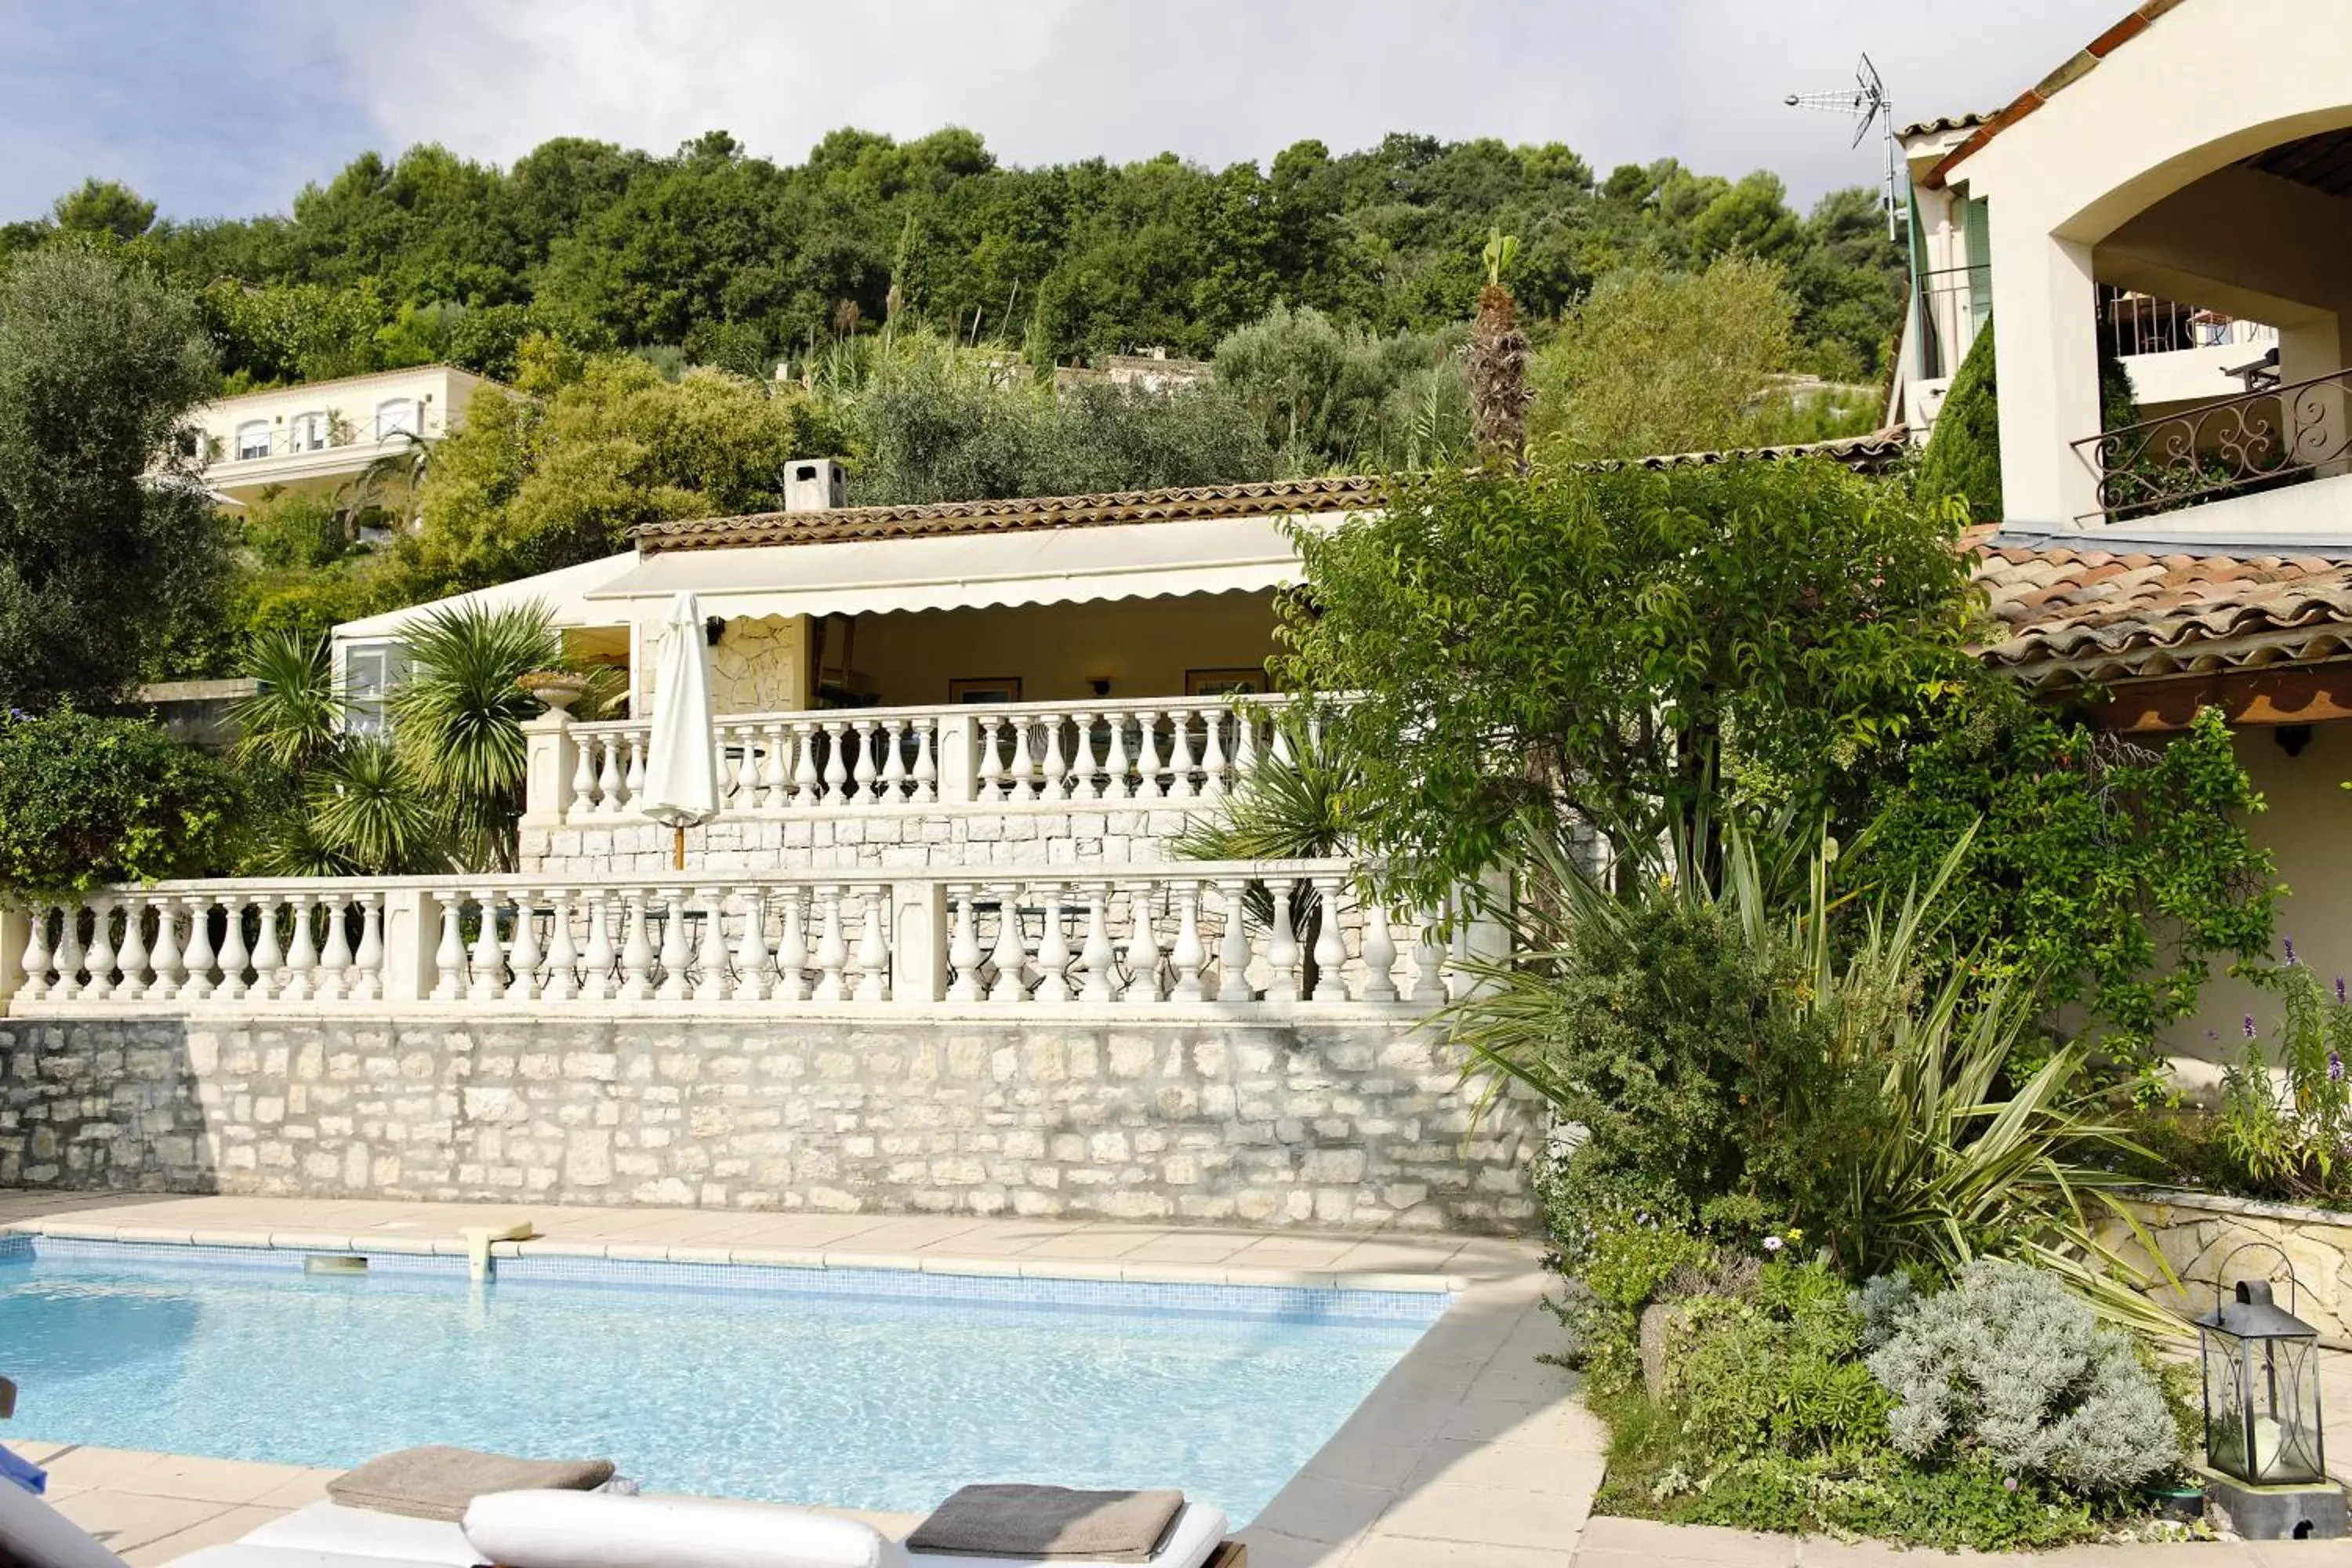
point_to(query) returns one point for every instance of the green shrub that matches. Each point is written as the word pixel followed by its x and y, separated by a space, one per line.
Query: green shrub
pixel 295 529
pixel 87 801
pixel 2294 1140
pixel 1963 455
pixel 2009 1368
pixel 1776 1371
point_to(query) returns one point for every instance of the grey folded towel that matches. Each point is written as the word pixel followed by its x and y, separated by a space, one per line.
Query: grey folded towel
pixel 1046 1522
pixel 437 1482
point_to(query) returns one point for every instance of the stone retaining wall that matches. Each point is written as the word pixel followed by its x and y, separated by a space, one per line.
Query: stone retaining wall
pixel 2198 1232
pixel 1355 1123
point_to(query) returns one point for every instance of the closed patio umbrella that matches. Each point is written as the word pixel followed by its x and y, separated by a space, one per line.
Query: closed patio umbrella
pixel 681 774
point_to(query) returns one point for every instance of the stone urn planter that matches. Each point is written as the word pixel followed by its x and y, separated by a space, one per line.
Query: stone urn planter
pixel 559 689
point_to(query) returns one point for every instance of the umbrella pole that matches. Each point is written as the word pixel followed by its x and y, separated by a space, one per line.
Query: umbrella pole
pixel 677 849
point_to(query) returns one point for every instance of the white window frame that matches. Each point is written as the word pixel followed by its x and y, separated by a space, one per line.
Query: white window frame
pixel 366 674
pixel 306 431
pixel 251 434
pixel 398 416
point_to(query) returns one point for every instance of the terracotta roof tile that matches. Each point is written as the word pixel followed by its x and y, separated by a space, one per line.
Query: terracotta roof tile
pixel 2075 66
pixel 1271 498
pixel 2068 617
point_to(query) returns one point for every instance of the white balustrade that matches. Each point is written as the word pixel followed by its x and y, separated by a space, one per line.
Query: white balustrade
pixel 1280 935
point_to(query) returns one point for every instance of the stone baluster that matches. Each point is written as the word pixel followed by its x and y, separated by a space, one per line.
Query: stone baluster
pixel 562 952
pixel 166 960
pixel 1084 783
pixel 367 963
pixel 524 957
pixel 35 961
pixel 963 950
pixel 775 778
pixel 199 957
pixel 101 951
pixel 1190 955
pixel 710 978
pixel 485 965
pixel 893 787
pixel 597 959
pixel 1245 720
pixel 335 953
pixel 754 971
pixel 132 958
pixel 635 781
pixel 1020 783
pixel 1213 751
pixel 1428 963
pixel 1179 761
pixel 805 792
pixel 1232 942
pixel 233 958
pixel 677 955
pixel 637 951
pixel 1010 956
pixel 449 956
pixel 583 776
pixel 1054 952
pixel 831 951
pixel 1057 767
pixel 1330 952
pixel 1281 946
pixel 1096 957
pixel 1281 743
pixel 1142 947
pixel 747 769
pixel 608 775
pixel 301 955
pixel 792 949
pixel 836 764
pixel 864 774
pixel 1147 762
pixel 268 956
pixel 873 956
pixel 71 956
pixel 926 765
pixel 991 765
pixel 1380 955
pixel 1116 785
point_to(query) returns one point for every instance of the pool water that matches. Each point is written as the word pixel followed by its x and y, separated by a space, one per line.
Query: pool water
pixel 882 1401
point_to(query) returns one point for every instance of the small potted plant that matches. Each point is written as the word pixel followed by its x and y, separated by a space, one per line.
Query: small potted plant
pixel 559 689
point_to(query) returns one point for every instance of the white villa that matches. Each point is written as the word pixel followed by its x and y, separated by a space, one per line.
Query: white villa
pixel 323 435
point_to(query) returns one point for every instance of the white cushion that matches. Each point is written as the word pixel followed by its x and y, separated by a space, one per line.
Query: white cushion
pixel 1192 1537
pixel 237 1554
pixel 591 1530
pixel 330 1526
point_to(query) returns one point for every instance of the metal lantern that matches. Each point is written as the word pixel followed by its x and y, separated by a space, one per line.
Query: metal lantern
pixel 2262 1385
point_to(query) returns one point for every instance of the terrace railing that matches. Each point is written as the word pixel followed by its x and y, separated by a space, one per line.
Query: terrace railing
pixel 1252 936
pixel 884 759
pixel 2255 440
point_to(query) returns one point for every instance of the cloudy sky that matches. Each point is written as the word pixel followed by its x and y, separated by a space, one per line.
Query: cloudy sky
pixel 215 107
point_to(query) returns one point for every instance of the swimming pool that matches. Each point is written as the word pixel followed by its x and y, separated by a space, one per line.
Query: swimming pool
pixel 852 1388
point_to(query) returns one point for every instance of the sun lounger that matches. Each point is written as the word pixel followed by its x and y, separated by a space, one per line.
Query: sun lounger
pixel 574 1529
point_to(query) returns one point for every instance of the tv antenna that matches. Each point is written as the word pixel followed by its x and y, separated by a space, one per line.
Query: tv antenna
pixel 1865 103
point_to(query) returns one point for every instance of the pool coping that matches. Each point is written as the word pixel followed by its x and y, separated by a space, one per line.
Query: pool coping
pixel 1088 1269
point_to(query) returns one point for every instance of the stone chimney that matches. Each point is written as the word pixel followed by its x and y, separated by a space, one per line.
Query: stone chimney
pixel 814 484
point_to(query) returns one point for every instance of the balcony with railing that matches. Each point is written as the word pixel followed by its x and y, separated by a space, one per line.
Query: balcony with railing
pixel 2257 441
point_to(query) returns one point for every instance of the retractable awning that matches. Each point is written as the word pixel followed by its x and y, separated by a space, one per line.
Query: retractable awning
pixel 1039 566
pixel 563 593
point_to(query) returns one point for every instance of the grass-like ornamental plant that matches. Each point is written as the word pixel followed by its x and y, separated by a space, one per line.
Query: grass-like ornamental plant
pixel 1741 1040
pixel 458 719
pixel 2009 1366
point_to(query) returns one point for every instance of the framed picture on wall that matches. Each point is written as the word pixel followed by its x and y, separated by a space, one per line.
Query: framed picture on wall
pixel 985 689
pixel 1224 682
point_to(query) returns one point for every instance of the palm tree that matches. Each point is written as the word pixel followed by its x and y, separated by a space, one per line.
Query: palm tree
pixel 295 716
pixel 1499 361
pixel 403 466
pixel 456 721
pixel 364 807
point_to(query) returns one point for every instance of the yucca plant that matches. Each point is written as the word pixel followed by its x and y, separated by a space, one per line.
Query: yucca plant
pixel 365 807
pixel 456 721
pixel 1854 1079
pixel 294 716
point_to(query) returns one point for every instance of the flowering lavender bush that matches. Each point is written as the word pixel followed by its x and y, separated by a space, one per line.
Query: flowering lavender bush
pixel 2286 1108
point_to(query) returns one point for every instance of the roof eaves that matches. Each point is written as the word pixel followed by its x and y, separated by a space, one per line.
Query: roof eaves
pixel 2077 66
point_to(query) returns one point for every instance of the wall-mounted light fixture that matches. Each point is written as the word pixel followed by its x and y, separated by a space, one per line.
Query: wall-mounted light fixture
pixel 1101 683
pixel 2291 738
pixel 713 628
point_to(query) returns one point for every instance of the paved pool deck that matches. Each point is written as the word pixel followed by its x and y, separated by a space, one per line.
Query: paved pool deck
pixel 1470 1454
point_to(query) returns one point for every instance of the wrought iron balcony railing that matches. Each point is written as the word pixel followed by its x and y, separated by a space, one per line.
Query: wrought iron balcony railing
pixel 2257 440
